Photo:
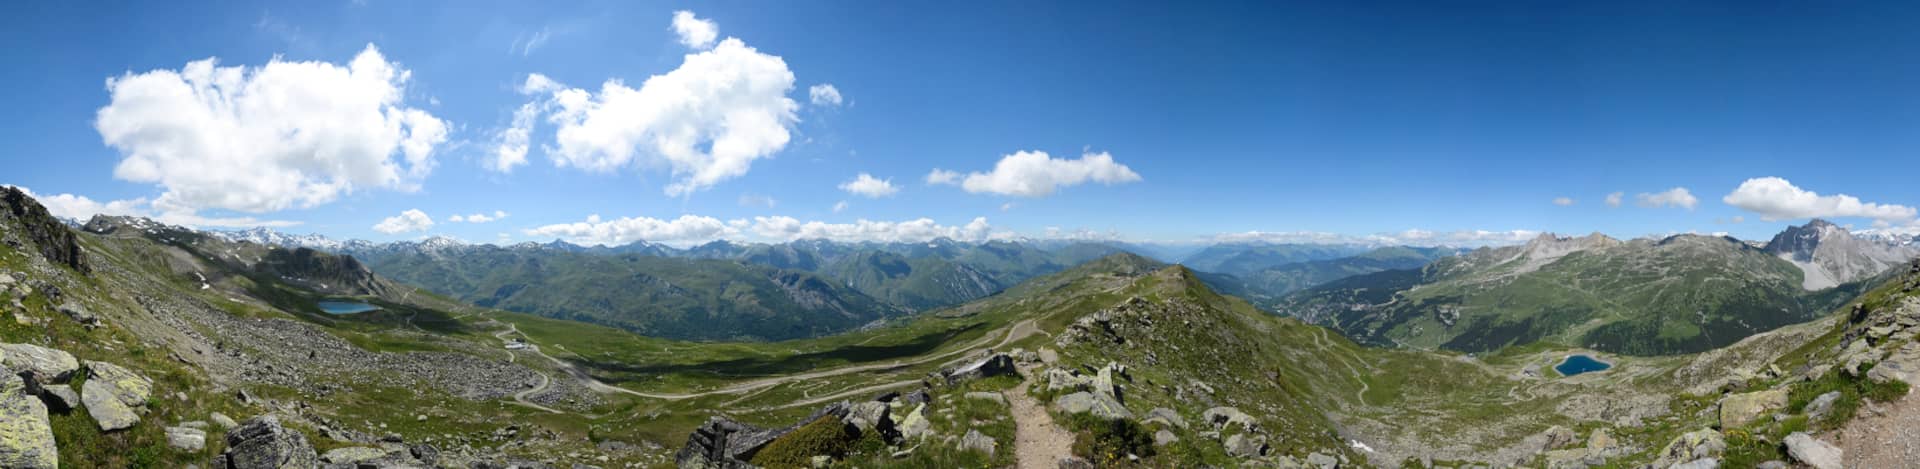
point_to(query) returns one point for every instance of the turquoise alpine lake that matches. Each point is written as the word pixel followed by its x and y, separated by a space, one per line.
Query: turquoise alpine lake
pixel 345 307
pixel 1577 364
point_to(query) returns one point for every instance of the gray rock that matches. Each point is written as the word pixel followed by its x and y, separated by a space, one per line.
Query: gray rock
pixel 1059 380
pixel 1241 445
pixel 129 387
pixel 993 365
pixel 1903 365
pixel 871 416
pixel 1774 464
pixel 352 455
pixel 1695 445
pixel 1821 405
pixel 1049 356
pixel 1559 437
pixel 187 439
pixel 1223 417
pixel 60 397
pixel 1163 438
pixel 106 408
pixel 1099 405
pixel 1813 452
pixel 79 313
pixel 261 443
pixel 26 433
pixel 1322 461
pixel 974 440
pixel 225 422
pixel 1165 416
pixel 47 365
pixel 1706 463
pixel 916 426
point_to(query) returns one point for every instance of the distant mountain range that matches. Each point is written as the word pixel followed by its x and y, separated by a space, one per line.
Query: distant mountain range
pixel 1683 293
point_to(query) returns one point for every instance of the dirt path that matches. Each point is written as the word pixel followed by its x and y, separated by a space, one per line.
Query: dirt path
pixel 1037 442
pixel 1887 438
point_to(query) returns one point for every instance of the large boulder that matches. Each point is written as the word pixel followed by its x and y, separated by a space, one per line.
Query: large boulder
pixel 47 365
pixel 1100 405
pixel 1738 410
pixel 1820 406
pixel 129 387
pixel 1813 452
pixel 916 426
pixel 871 416
pixel 108 411
pixel 1165 417
pixel 262 443
pixel 352 455
pixel 993 365
pixel 1695 445
pixel 722 443
pixel 59 397
pixel 26 434
pixel 1223 417
pixel 1059 380
pixel 1247 446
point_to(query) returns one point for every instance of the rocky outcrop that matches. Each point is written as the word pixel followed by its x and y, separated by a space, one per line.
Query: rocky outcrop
pixel 53 239
pixel 1100 394
pixel 26 434
pixel 998 364
pixel 723 443
pixel 262 443
pixel 976 441
pixel 332 273
pixel 1812 452
pixel 1737 410
pixel 1225 418
pixel 1600 447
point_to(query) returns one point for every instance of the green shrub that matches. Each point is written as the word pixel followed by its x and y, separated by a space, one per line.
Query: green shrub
pixel 824 436
pixel 1106 443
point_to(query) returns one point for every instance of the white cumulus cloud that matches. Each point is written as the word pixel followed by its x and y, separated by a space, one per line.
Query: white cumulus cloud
pixel 694 32
pixel 1035 174
pixel 272 137
pixel 1675 197
pixel 594 231
pixel 706 121
pixel 866 185
pixel 1613 200
pixel 1775 198
pixel 824 94
pixel 478 217
pixel 912 231
pixel 1563 201
pixel 409 221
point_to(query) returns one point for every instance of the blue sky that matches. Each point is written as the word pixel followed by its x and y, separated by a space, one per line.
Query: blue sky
pixel 1273 117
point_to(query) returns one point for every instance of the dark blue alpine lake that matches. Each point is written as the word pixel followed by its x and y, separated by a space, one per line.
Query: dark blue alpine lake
pixel 1577 364
pixel 345 307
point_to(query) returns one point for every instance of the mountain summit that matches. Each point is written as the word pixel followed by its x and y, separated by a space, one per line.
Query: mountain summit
pixel 1829 255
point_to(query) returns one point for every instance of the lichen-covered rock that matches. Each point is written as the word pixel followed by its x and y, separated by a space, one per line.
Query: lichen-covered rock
pixel 129 387
pixel 916 426
pixel 105 406
pixel 262 443
pixel 1819 407
pixel 26 434
pixel 47 365
pixel 1694 445
pixel 1738 410
pixel 1902 365
pixel 225 422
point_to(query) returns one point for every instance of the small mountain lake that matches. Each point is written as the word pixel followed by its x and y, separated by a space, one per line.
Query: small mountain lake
pixel 346 307
pixel 1577 364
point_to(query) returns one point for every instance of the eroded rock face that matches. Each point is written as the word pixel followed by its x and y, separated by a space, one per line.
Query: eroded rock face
pixel 187 439
pixel 26 434
pixel 55 242
pixel 722 443
pixel 262 443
